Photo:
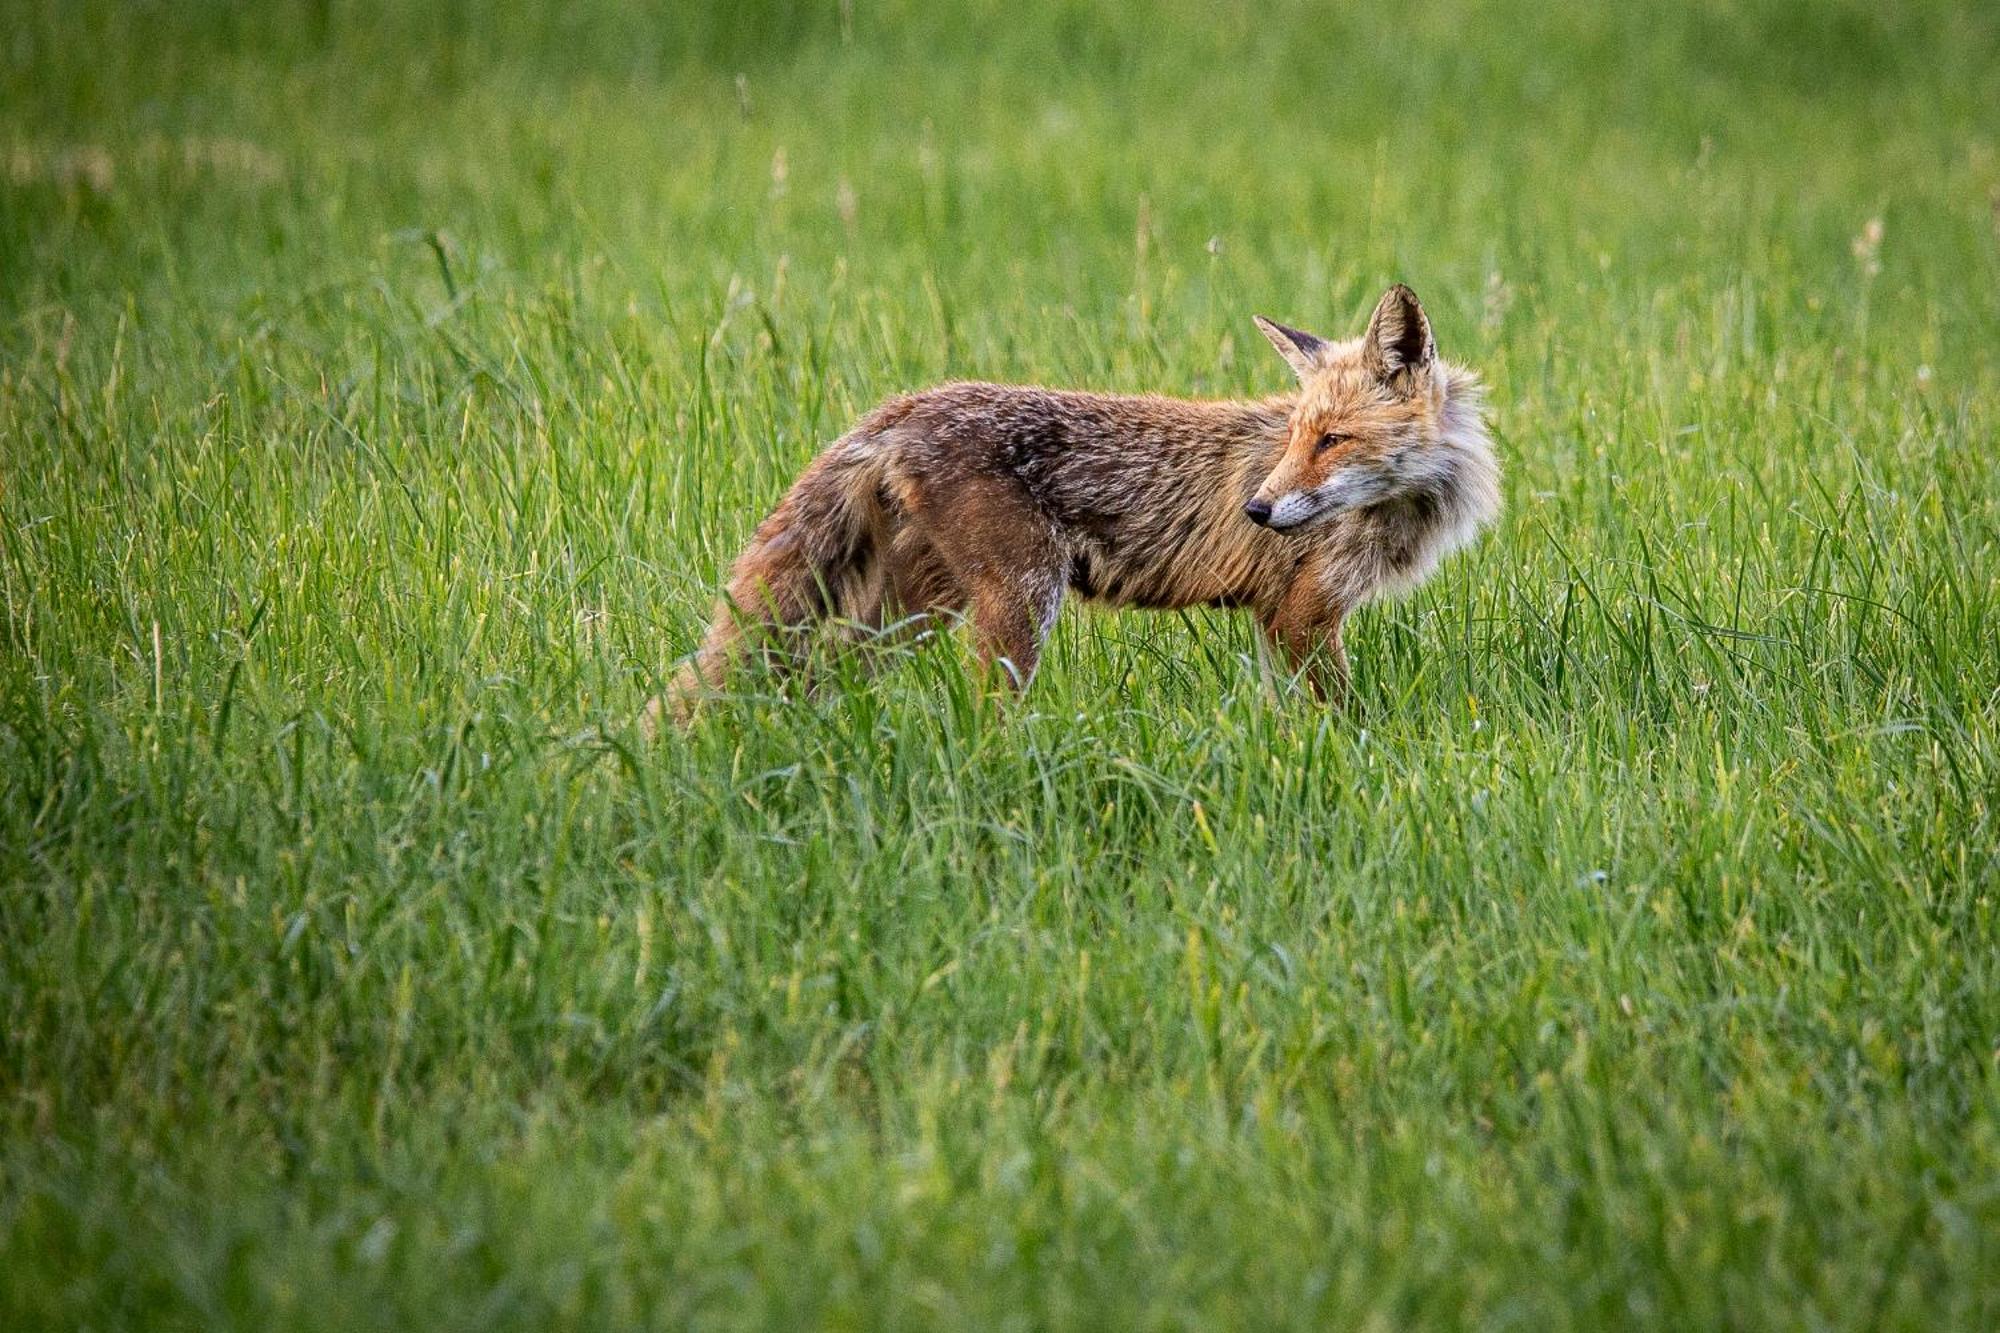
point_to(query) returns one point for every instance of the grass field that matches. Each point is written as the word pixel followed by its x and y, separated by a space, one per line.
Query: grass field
pixel 383 389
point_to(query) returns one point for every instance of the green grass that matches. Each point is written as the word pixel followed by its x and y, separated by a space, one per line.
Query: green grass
pixel 383 389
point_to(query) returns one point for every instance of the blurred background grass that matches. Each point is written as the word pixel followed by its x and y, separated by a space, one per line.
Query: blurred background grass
pixel 383 387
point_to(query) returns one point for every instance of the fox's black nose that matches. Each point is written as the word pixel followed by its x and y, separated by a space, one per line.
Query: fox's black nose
pixel 1259 511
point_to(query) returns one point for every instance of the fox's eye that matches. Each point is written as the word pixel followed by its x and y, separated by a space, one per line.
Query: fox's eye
pixel 1328 440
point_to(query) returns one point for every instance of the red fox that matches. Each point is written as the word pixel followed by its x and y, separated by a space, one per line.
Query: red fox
pixel 994 502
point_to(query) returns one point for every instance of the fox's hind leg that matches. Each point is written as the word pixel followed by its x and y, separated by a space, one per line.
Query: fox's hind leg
pixel 1011 566
pixel 1011 617
pixel 924 595
pixel 911 595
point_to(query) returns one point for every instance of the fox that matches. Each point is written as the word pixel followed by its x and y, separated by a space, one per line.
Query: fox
pixel 994 504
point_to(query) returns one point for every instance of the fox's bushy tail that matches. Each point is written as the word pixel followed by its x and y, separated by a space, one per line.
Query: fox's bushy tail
pixel 816 556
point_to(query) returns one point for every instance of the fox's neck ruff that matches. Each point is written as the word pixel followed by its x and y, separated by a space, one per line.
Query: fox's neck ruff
pixel 1469 494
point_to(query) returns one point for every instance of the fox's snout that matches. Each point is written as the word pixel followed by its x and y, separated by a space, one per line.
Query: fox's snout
pixel 1285 503
pixel 1284 500
pixel 1288 511
pixel 1280 504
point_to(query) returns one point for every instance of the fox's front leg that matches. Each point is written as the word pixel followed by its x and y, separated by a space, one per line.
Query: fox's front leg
pixel 1305 630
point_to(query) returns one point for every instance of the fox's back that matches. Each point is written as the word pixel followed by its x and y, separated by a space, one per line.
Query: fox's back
pixel 1146 491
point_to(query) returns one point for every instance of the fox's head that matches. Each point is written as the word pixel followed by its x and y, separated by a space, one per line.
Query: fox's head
pixel 1373 419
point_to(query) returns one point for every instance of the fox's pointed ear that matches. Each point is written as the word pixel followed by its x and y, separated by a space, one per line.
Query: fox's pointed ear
pixel 1398 346
pixel 1302 351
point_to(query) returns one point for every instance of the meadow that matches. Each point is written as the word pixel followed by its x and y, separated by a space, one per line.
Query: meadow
pixel 383 389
